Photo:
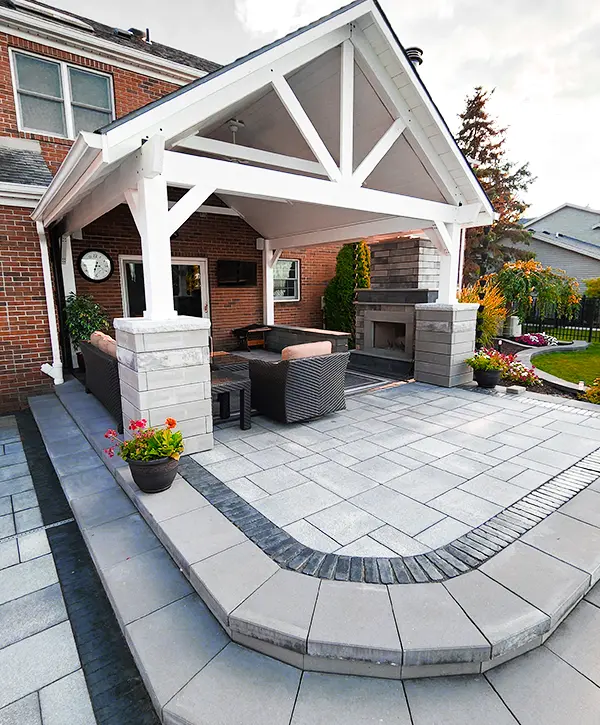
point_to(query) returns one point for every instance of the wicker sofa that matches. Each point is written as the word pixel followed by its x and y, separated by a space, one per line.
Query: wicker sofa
pixel 102 380
pixel 290 391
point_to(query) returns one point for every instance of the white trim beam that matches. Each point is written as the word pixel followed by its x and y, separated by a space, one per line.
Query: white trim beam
pixel 268 262
pixel 350 233
pixel 347 110
pixel 305 126
pixel 234 151
pixel 372 159
pixel 187 171
pixel 189 203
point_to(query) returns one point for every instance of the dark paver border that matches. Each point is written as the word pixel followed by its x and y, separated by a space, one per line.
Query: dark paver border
pixel 458 557
pixel 117 692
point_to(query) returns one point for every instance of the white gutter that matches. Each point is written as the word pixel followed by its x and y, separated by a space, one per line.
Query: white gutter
pixel 56 369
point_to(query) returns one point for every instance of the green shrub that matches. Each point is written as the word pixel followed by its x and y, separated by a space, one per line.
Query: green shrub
pixel 352 272
pixel 592 287
pixel 84 316
pixel 592 394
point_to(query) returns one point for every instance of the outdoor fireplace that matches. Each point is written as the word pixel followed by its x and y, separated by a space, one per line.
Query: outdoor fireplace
pixel 403 273
pixel 389 335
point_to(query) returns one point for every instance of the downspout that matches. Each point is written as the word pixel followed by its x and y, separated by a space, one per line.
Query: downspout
pixel 55 370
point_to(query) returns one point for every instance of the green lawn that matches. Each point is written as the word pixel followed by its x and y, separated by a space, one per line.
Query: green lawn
pixel 573 366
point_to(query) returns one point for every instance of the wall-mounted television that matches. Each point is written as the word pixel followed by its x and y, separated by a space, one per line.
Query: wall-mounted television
pixel 236 273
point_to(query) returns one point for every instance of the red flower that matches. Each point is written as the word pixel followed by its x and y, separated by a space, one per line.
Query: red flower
pixel 170 423
pixel 137 424
pixel 110 452
pixel 110 433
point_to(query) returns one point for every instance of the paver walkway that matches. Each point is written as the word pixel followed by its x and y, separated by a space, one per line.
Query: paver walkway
pixel 41 680
pixel 402 471
pixel 63 660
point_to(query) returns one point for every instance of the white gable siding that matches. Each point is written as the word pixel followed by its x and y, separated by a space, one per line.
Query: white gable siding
pixel 578 223
pixel 574 264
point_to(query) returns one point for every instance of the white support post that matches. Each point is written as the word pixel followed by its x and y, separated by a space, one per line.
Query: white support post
pixel 305 126
pixel 55 370
pixel 347 110
pixel 270 257
pixel 68 273
pixel 446 237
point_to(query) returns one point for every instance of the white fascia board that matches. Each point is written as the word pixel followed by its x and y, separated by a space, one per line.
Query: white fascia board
pixel 25 195
pixel 55 35
pixel 409 69
pixel 186 171
pixel 85 154
pixel 179 116
pixel 350 233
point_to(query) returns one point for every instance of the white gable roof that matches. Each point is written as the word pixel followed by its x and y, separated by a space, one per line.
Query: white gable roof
pixel 424 162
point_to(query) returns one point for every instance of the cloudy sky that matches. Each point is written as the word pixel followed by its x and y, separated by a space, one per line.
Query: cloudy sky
pixel 541 56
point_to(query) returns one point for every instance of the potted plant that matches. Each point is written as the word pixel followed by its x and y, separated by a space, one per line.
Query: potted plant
pixel 83 316
pixel 488 366
pixel 152 453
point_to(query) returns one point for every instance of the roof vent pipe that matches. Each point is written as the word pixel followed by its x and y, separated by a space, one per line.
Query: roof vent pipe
pixel 415 55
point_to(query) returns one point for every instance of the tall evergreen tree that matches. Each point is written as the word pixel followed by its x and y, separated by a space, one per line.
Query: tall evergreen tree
pixel 483 143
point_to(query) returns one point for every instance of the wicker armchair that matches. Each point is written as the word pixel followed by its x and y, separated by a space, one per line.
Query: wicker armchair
pixel 102 380
pixel 294 390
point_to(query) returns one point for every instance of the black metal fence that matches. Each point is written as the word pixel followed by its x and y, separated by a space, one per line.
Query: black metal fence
pixel 584 325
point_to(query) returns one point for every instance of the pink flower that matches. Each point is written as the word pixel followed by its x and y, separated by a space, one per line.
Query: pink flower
pixel 110 452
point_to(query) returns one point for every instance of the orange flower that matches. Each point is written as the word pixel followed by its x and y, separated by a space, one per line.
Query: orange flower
pixel 170 423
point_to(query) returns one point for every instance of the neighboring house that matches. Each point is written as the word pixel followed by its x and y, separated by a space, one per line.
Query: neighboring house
pixel 567 238
pixel 336 139
pixel 62 74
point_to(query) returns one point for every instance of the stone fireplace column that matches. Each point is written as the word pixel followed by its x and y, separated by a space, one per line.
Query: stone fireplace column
pixel 164 371
pixel 444 339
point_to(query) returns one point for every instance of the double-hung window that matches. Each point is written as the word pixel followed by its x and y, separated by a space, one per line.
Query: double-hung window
pixel 286 280
pixel 58 99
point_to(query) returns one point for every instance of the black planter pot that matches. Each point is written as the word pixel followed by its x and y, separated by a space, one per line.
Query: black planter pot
pixel 80 361
pixel 154 476
pixel 487 378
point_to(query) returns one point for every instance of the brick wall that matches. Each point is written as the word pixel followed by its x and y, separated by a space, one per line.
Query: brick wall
pixel 131 90
pixel 317 267
pixel 212 237
pixel 24 335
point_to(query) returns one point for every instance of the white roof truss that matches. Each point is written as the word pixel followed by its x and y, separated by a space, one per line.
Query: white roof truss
pixel 114 164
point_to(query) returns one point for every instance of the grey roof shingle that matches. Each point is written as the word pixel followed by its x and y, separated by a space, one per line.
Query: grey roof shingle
pixel 106 32
pixel 18 166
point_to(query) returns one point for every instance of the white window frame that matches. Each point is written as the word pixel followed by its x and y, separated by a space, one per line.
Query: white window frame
pixel 201 262
pixel 66 90
pixel 298 297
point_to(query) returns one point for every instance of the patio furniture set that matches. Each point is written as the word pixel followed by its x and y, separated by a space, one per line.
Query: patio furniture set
pixel 306 383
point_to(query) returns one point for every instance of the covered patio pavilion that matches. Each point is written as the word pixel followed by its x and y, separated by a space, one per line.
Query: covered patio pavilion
pixel 327 135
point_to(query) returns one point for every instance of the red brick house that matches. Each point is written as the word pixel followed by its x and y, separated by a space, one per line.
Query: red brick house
pixel 225 199
pixel 50 63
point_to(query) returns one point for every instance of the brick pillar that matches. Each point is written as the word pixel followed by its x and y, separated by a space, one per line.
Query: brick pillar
pixel 444 339
pixel 164 370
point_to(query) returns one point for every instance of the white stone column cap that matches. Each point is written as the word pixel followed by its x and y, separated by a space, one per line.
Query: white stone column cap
pixel 140 325
pixel 446 307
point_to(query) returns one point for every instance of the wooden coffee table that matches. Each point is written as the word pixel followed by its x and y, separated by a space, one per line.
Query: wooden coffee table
pixel 224 383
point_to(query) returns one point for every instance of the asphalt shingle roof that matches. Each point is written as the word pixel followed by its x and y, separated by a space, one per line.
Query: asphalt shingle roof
pixel 18 166
pixel 106 32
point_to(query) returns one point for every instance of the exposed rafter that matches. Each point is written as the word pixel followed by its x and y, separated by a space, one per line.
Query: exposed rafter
pixel 305 126
pixel 385 143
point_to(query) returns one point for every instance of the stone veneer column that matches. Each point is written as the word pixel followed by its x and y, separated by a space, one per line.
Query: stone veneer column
pixel 444 339
pixel 164 370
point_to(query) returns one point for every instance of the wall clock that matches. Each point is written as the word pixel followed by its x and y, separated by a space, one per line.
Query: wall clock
pixel 95 265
